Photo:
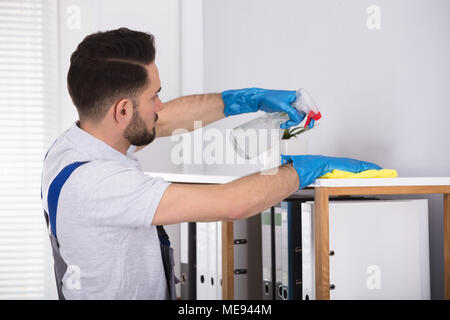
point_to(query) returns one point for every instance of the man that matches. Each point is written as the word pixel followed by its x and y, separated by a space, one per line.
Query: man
pixel 103 212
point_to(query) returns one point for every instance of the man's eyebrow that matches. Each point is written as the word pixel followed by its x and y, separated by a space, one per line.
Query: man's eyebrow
pixel 156 93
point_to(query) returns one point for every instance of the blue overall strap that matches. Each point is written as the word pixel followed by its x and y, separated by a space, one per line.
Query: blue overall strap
pixel 162 235
pixel 55 189
pixel 168 262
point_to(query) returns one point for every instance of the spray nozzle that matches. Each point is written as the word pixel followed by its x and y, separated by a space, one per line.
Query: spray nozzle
pixel 305 103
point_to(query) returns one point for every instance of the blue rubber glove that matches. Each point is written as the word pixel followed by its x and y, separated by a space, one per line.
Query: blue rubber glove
pixel 310 167
pixel 255 99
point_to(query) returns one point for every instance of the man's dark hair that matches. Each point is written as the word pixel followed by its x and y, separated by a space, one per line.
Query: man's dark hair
pixel 108 66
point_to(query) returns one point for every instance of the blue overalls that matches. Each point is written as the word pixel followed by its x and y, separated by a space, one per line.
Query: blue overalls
pixel 60 265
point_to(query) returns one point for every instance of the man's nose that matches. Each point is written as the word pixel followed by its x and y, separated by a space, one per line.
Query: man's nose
pixel 159 105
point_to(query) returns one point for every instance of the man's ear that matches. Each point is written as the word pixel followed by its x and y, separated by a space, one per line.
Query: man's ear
pixel 123 111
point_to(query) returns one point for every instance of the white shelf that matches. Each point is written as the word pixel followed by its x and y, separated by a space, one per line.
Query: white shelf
pixel 329 183
pixel 192 178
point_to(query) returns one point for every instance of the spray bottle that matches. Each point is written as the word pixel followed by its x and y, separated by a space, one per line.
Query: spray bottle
pixel 256 136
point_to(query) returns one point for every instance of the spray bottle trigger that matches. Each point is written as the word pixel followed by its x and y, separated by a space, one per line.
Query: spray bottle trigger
pixel 312 115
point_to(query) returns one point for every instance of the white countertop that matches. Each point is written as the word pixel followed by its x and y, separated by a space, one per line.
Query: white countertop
pixel 374 182
pixel 192 178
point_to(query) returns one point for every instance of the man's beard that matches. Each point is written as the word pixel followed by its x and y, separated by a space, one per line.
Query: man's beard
pixel 137 133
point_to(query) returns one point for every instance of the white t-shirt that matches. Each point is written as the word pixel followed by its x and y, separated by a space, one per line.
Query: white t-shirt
pixel 103 223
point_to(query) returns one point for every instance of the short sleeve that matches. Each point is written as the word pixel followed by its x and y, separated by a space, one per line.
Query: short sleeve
pixel 122 197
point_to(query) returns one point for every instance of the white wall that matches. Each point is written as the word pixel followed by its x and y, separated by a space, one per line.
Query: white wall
pixel 383 92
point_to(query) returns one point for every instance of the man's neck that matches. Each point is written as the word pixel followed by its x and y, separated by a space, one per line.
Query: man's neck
pixel 103 134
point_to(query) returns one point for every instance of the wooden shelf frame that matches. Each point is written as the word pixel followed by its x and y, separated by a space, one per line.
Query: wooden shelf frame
pixel 321 228
pixel 323 189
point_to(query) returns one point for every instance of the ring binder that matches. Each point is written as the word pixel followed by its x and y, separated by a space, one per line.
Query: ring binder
pixel 240 271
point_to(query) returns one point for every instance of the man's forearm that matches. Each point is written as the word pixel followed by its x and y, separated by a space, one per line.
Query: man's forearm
pixel 254 193
pixel 181 113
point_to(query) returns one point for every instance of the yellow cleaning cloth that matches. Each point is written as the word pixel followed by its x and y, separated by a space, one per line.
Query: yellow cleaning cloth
pixel 338 174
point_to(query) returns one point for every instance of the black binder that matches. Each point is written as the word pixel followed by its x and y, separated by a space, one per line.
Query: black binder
pixel 268 253
pixel 188 270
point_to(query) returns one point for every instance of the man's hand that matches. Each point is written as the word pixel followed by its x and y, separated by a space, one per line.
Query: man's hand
pixel 310 168
pixel 255 99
